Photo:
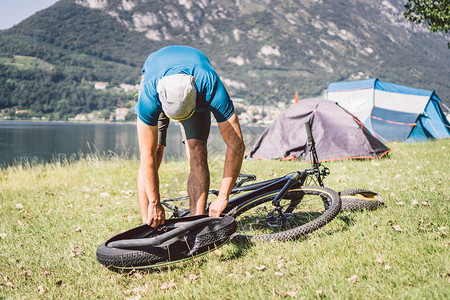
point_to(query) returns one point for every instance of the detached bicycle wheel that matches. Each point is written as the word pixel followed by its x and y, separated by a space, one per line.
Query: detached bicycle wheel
pixel 177 240
pixel 303 210
pixel 360 199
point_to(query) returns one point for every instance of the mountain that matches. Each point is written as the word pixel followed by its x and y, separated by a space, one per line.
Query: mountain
pixel 264 50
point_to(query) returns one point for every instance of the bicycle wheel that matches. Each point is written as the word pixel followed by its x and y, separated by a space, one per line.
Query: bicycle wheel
pixel 175 241
pixel 360 199
pixel 303 210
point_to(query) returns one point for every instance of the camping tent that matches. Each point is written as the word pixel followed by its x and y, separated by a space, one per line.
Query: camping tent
pixel 392 112
pixel 338 134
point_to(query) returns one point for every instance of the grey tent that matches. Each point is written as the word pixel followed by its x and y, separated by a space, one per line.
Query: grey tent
pixel 337 133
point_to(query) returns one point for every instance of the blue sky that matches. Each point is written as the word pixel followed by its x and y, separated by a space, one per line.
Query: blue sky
pixel 14 11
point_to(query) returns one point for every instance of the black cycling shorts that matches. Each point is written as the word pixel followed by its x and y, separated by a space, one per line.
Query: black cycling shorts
pixel 196 127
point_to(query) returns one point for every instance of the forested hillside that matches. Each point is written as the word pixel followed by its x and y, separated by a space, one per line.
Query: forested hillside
pixel 264 50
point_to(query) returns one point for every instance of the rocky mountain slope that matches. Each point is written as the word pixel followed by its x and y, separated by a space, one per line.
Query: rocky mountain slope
pixel 264 50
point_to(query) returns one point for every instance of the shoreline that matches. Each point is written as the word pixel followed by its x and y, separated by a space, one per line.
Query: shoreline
pixel 69 122
pixel 96 122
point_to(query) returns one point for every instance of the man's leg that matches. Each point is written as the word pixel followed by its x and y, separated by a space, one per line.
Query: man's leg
pixel 198 180
pixel 195 131
pixel 159 154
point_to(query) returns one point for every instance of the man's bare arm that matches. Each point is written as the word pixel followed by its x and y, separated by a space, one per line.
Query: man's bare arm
pixel 232 135
pixel 152 211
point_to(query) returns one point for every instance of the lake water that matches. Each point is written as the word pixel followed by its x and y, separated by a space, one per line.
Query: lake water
pixel 24 142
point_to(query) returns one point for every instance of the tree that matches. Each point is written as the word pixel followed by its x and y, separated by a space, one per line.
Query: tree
pixel 436 14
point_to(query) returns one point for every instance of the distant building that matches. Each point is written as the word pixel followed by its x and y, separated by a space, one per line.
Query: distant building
pixel 128 87
pixel 101 85
pixel 80 117
pixel 20 112
pixel 121 113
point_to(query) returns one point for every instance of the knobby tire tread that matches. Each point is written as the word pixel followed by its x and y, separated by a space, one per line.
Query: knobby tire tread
pixel 360 199
pixel 333 210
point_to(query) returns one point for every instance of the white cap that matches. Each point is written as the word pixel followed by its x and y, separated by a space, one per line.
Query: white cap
pixel 178 95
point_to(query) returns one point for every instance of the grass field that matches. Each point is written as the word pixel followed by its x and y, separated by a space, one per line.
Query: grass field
pixel 53 217
pixel 26 62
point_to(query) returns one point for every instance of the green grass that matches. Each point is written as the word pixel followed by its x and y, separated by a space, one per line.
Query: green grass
pixel 25 62
pixel 53 217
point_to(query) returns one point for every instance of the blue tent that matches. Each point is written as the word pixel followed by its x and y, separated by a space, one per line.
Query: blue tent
pixel 390 111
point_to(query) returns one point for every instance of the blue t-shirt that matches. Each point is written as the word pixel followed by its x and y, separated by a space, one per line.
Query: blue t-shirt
pixel 211 93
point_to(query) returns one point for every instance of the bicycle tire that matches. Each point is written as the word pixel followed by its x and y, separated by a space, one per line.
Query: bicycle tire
pixel 360 199
pixel 323 198
pixel 196 242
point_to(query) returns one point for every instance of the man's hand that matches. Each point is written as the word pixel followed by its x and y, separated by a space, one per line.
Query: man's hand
pixel 217 207
pixel 156 215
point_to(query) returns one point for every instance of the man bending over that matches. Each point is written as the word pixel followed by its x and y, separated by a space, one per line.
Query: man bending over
pixel 179 83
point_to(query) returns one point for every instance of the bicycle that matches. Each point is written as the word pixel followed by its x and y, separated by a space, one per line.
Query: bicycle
pixel 278 209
